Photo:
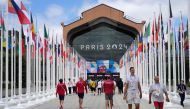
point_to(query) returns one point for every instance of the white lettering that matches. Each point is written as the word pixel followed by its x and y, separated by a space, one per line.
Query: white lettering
pixel 87 47
pixel 114 46
pixel 81 47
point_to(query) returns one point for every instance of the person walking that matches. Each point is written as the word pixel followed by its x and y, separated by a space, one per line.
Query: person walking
pixel 109 90
pixel 120 86
pixel 61 90
pixel 181 90
pixel 93 86
pixel 156 92
pixel 80 87
pixel 132 91
pixel 99 87
pixel 74 86
pixel 70 85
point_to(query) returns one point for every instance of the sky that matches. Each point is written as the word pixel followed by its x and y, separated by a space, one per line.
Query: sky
pixel 53 12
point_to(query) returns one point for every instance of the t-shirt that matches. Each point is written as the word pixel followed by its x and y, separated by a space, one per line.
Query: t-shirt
pixel 108 86
pixel 70 84
pixel 93 84
pixel 99 84
pixel 61 89
pixel 181 88
pixel 157 91
pixel 80 86
pixel 132 82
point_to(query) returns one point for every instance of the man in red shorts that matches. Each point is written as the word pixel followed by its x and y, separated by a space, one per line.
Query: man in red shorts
pixel 80 87
pixel 61 90
pixel 109 90
pixel 156 92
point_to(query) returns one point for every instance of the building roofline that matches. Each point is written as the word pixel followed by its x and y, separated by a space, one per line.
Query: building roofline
pixel 101 5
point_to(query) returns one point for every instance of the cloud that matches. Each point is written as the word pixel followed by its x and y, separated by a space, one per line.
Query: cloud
pixel 2 2
pixel 54 11
pixel 52 18
pixel 141 9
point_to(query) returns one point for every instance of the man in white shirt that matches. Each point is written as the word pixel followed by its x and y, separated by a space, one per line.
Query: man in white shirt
pixel 132 91
pixel 156 92
pixel 99 87
pixel 70 85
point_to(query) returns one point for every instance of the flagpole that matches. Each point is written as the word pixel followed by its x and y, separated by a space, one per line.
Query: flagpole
pixel 7 63
pixel 28 64
pixel 1 73
pixel 43 64
pixel 12 63
pixel 189 39
pixel 174 65
pixel 39 70
pixel 169 60
pixel 164 62
pixel 20 66
pixel 181 46
pixel 53 63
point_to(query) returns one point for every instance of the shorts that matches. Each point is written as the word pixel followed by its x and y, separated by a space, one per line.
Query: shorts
pixel 159 104
pixel 61 97
pixel 133 98
pixel 93 89
pixel 81 95
pixel 109 96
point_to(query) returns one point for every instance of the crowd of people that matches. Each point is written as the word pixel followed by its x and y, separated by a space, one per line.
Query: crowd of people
pixel 131 90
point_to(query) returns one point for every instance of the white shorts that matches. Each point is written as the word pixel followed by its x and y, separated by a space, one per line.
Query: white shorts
pixel 133 98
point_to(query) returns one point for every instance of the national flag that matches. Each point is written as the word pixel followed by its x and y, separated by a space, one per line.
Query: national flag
pixel 11 8
pixel 41 45
pixel 153 29
pixel 58 50
pixel 45 41
pixel 33 28
pixel 186 36
pixel 22 17
pixel 140 44
pixel 162 27
pixel 147 31
pixel 121 63
pixel 23 7
pixel 23 41
pixel 158 28
pixel 2 22
pixel 170 10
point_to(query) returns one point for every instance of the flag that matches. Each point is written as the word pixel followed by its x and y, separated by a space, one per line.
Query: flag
pixel 186 36
pixel 147 31
pixel 158 28
pixel 2 22
pixel 41 45
pixel 153 29
pixel 22 17
pixel 23 7
pixel 11 8
pixel 162 27
pixel 170 9
pixel 140 44
pixel 45 40
pixel 23 41
pixel 33 28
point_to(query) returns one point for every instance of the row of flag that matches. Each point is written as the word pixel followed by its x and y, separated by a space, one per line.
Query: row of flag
pixel 161 50
pixel 47 59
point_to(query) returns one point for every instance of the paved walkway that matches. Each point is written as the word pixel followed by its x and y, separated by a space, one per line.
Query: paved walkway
pixel 90 102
